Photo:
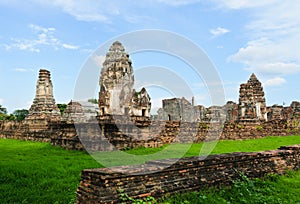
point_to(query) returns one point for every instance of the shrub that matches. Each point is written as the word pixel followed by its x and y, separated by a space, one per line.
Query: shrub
pixel 259 128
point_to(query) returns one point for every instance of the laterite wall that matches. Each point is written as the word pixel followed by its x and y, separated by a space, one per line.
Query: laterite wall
pixel 188 174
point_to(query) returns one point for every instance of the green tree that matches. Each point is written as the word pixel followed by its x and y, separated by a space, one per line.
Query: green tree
pixel 3 113
pixel 62 107
pixel 2 116
pixel 10 117
pixel 93 100
pixel 20 114
pixel 3 110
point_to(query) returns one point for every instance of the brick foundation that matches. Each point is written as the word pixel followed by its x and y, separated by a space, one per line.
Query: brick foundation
pixel 188 174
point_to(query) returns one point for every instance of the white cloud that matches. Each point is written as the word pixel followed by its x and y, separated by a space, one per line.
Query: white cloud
pixel 69 46
pixel 243 4
pixel 278 68
pixel 23 70
pixel 43 37
pixel 178 2
pixel 277 81
pixel 274 36
pixel 219 31
pixel 104 11
pixel 85 10
pixel 1 101
pixel 41 29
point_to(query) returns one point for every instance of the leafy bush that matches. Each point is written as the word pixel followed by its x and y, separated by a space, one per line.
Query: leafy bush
pixel 271 189
pixel 259 128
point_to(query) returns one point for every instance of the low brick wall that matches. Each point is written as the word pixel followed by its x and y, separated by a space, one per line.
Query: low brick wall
pixel 110 135
pixel 187 174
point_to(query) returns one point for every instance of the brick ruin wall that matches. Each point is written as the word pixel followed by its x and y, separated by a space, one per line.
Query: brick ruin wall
pixel 117 135
pixel 187 174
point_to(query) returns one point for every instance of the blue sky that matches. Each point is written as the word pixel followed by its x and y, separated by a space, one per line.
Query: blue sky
pixel 239 36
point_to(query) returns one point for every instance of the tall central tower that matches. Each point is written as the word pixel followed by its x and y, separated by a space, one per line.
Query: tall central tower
pixel 116 82
pixel 117 96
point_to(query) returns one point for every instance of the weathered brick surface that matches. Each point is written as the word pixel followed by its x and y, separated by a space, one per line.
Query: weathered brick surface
pixel 187 174
pixel 116 134
pixel 155 134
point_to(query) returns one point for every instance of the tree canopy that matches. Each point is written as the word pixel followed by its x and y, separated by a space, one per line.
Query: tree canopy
pixel 93 100
pixel 16 115
pixel 62 107
pixel 20 114
pixel 3 110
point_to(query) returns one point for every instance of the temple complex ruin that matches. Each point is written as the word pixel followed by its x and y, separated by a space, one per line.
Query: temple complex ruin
pixel 117 96
pixel 251 107
pixel 178 121
pixel 121 119
pixel 43 108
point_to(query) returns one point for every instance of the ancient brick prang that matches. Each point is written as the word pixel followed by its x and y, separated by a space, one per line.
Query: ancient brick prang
pixel 117 96
pixel 252 103
pixel 43 108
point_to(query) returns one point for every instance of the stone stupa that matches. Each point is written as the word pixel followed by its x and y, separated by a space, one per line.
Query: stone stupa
pixel 43 109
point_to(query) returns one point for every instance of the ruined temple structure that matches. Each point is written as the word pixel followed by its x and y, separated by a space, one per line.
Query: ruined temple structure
pixel 295 106
pixel 74 113
pixel 180 109
pixel 252 103
pixel 43 108
pixel 275 112
pixel 187 122
pixel 117 96
pixel 232 111
pixel 251 107
pixel 177 109
pixel 279 112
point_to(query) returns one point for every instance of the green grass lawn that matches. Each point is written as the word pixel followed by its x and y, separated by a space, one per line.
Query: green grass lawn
pixel 141 155
pixel 33 172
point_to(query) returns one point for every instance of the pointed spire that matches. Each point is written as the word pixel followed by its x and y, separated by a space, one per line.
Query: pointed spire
pixel 116 53
pixel 117 46
pixel 253 77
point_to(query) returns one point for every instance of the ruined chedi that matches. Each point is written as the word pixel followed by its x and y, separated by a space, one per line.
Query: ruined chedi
pixel 43 108
pixel 117 96
pixel 252 103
